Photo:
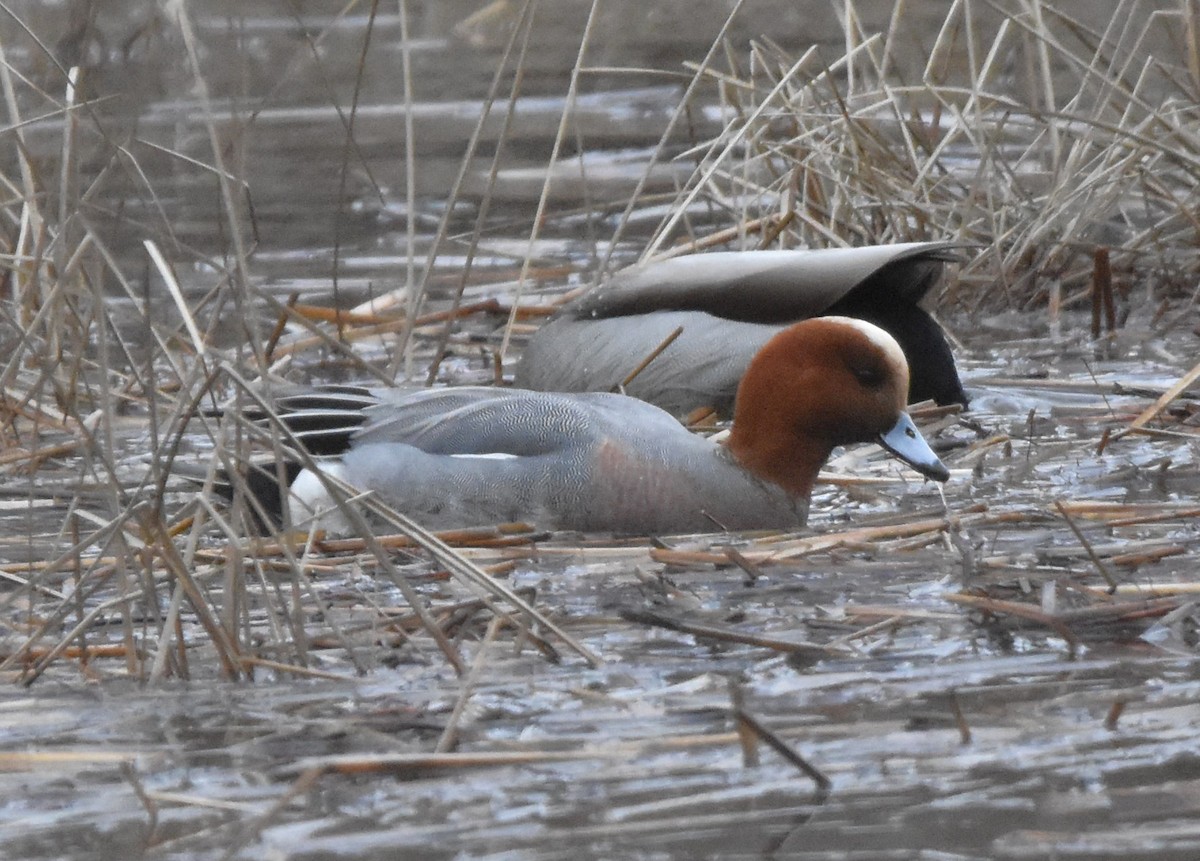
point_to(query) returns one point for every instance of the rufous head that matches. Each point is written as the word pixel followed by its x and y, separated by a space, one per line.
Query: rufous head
pixel 818 384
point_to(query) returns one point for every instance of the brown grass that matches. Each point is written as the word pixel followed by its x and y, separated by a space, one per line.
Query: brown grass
pixel 1030 136
pixel 1027 136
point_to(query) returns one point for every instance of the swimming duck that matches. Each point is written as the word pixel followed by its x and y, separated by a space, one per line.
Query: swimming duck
pixel 607 462
pixel 729 305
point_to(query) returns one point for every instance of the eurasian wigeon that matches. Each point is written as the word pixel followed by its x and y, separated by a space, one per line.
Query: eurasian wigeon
pixel 607 462
pixel 729 304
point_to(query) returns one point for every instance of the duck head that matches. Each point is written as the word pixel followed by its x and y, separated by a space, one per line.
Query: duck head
pixel 818 384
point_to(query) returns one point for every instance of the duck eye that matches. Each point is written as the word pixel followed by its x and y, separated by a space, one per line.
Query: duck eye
pixel 869 377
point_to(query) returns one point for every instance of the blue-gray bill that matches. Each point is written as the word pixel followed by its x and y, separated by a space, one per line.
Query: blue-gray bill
pixel 906 443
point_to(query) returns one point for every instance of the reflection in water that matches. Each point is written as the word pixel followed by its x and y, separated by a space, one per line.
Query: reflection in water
pixel 100 767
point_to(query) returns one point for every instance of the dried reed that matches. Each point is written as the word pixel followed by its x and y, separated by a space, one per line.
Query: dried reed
pixel 1046 143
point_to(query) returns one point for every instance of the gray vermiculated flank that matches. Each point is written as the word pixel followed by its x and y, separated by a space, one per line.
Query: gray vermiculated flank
pixel 586 461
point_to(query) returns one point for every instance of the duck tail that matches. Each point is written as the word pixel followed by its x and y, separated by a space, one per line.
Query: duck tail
pixel 264 485
pixel 268 494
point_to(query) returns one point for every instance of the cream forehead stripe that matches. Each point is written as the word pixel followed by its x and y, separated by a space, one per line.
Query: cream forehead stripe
pixel 878 337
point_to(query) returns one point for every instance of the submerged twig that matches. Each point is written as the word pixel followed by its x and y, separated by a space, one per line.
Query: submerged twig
pixel 824 784
pixel 1087 546
pixel 727 635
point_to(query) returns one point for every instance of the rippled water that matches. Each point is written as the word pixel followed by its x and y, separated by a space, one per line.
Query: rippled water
pixel 97 767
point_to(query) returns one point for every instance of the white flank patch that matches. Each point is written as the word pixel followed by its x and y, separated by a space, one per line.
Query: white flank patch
pixel 309 498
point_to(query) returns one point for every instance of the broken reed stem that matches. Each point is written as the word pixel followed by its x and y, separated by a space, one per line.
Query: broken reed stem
pixel 449 738
pixel 650 357
pixel 407 763
pixel 356 326
pixel 280 327
pixel 725 635
pixel 1102 293
pixel 1064 622
pixel 223 641
pixel 752 571
pixel 501 535
pixel 744 718
pixel 781 551
pixel 488 588
pixel 960 719
pixel 293 669
pixel 1087 546
pixel 1114 714
pixel 890 623
pixel 251 829
pixel 746 736
pixel 151 806
pixel 416 763
pixel 719 238
pixel 1022 611
pixel 1151 412
pixel 34 673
